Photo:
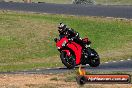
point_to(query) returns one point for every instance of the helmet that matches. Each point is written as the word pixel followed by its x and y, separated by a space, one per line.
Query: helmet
pixel 62 27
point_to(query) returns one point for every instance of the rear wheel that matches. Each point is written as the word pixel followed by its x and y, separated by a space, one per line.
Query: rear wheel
pixel 68 61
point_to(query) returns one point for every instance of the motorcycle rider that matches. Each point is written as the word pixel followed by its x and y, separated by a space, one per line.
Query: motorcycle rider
pixel 71 35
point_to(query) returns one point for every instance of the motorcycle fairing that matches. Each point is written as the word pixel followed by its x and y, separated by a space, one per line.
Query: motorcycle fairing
pixel 77 49
pixel 59 43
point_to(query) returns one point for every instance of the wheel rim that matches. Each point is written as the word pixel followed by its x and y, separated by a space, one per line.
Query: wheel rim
pixel 95 61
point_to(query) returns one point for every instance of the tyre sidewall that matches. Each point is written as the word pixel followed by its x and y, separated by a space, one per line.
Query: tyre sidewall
pixel 97 60
pixel 62 56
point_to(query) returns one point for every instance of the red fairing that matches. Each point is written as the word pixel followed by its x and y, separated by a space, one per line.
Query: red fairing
pixel 77 50
pixel 59 43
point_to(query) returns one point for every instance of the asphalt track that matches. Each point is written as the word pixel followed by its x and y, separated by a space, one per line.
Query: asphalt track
pixel 81 10
pixel 119 66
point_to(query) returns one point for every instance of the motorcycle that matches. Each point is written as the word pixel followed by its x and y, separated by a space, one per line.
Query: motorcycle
pixel 73 54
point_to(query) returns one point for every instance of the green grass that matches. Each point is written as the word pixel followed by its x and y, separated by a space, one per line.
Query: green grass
pixel 114 2
pixel 26 39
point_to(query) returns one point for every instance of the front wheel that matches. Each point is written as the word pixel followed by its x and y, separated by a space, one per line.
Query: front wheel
pixel 68 61
pixel 94 60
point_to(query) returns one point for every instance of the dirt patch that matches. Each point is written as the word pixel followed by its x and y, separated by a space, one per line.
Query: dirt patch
pixel 46 81
pixel 33 81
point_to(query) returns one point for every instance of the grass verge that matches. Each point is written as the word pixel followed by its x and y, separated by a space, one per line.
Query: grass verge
pixel 114 2
pixel 26 39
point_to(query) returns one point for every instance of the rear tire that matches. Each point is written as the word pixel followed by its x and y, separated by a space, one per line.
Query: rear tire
pixel 69 63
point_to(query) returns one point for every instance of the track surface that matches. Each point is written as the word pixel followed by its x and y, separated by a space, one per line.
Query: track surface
pixel 125 66
pixel 85 10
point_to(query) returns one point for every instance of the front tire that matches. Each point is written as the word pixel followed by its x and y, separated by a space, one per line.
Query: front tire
pixel 94 60
pixel 67 61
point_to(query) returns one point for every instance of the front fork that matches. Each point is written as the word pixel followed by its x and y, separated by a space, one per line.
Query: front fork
pixel 68 53
pixel 87 55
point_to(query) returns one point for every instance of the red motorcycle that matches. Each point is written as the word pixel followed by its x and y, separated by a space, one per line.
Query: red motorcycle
pixel 73 54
